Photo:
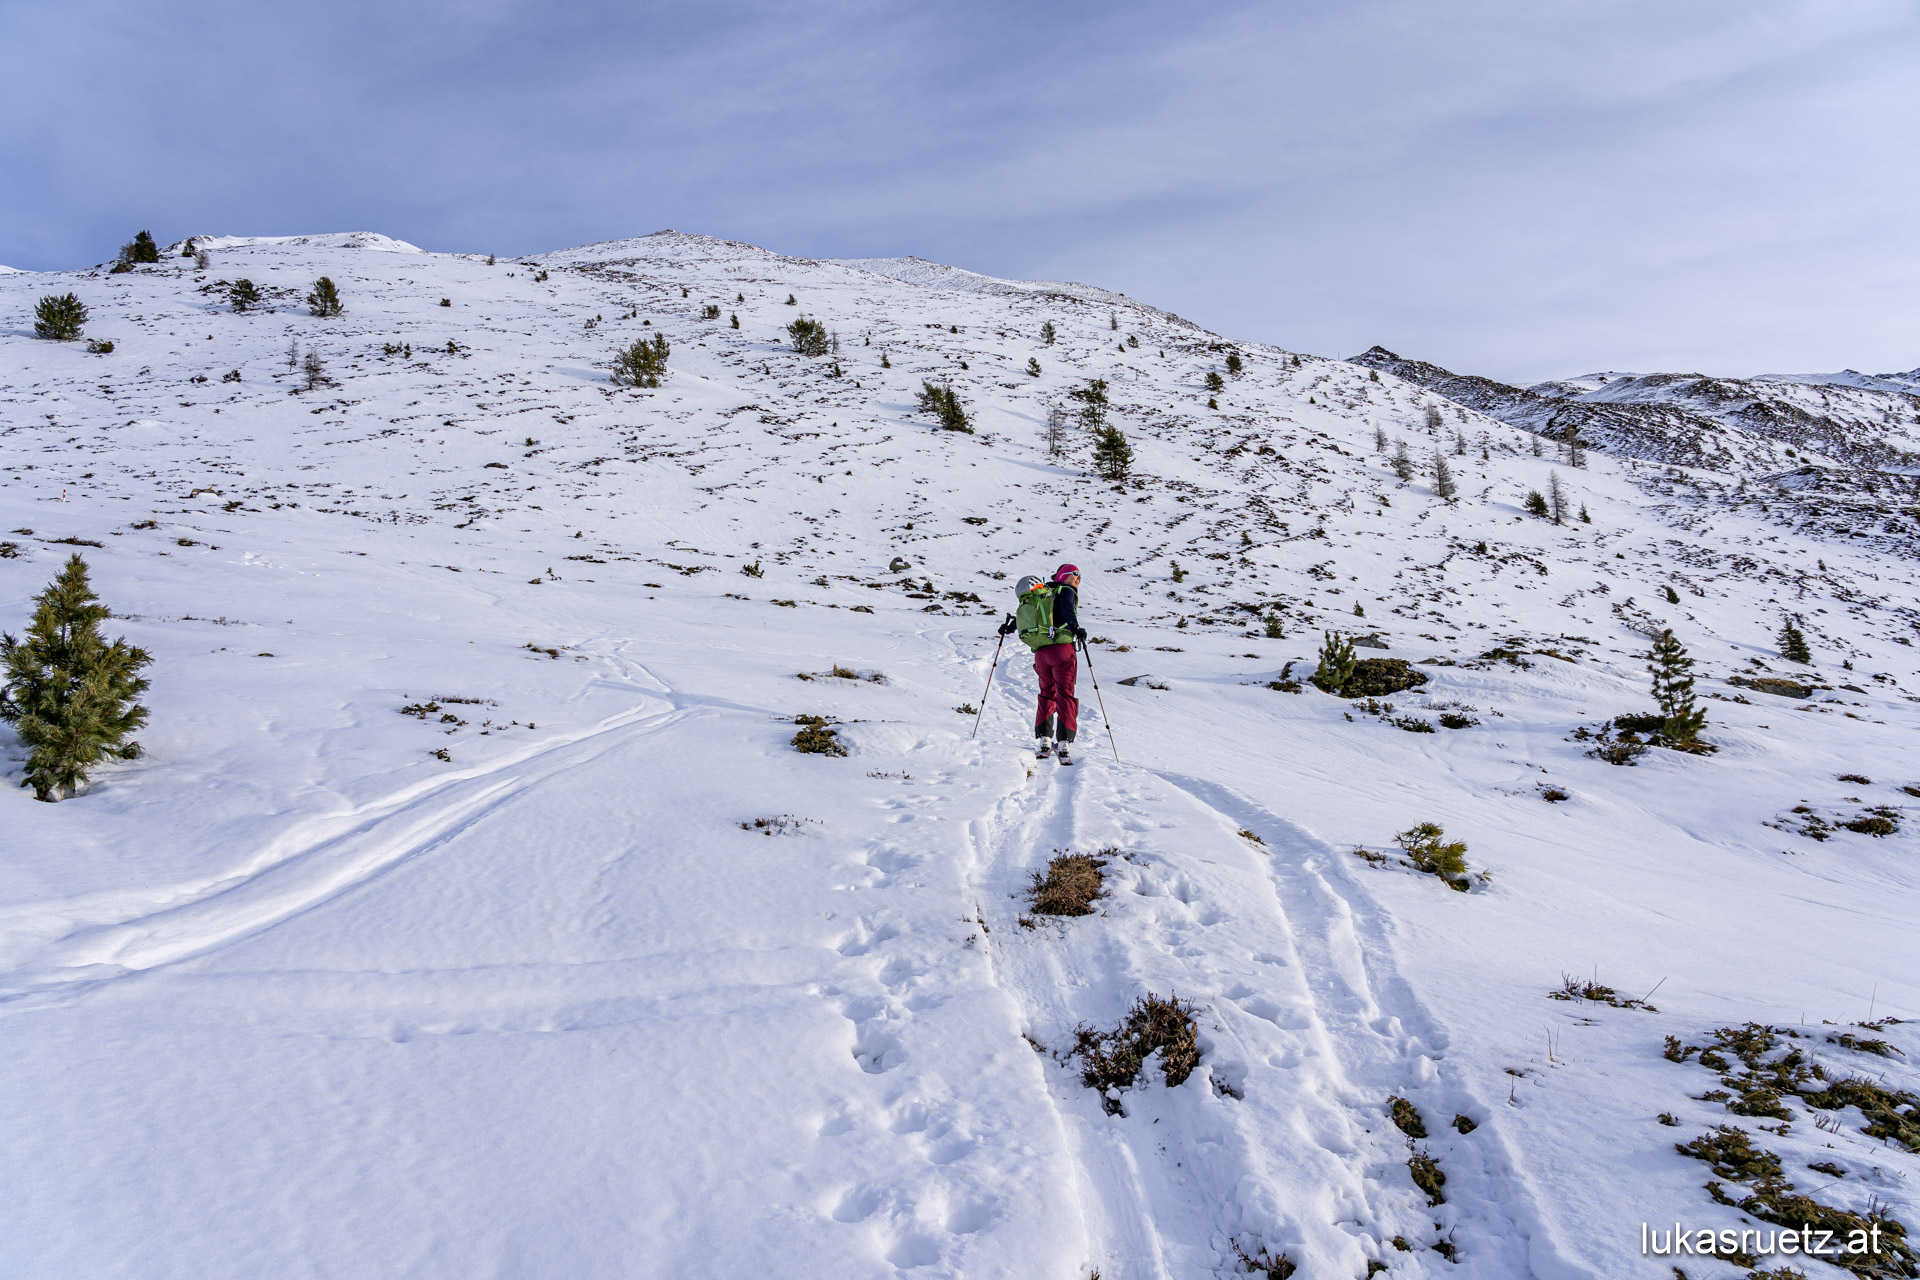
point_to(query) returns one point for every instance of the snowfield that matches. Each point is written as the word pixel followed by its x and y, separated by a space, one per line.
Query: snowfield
pixel 472 914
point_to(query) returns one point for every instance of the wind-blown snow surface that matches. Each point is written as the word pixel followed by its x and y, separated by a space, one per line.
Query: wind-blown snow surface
pixel 295 996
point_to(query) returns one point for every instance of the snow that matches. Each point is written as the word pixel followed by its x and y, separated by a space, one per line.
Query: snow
pixel 292 995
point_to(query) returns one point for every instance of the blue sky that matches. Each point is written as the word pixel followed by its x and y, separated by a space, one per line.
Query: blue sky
pixel 1513 188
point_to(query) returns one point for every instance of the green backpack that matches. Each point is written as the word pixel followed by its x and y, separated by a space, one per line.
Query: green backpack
pixel 1034 621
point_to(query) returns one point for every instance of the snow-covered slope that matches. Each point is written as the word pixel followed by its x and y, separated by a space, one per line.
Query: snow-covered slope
pixel 472 914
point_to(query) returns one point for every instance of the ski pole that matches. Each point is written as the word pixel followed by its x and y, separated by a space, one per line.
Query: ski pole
pixel 1104 717
pixel 981 710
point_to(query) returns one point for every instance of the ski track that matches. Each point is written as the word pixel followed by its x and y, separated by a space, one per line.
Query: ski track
pixel 63 947
pixel 1301 1011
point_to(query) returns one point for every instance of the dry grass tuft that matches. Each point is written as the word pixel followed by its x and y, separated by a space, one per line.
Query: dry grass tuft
pixel 1069 885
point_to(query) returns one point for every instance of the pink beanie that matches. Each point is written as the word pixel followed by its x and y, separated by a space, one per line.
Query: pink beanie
pixel 1065 571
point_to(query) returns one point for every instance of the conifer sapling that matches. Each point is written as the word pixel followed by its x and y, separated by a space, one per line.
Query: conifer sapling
pixel 1112 455
pixel 641 364
pixel 1793 642
pixel 324 301
pixel 68 693
pixel 59 318
pixel 1673 690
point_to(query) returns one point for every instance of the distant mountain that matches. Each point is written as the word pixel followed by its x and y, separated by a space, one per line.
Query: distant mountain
pixel 1650 431
pixel 1764 424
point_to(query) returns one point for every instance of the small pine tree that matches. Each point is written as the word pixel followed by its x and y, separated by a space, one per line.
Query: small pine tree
pixel 1584 517
pixel 1673 690
pixel 1433 419
pixel 1112 455
pixel 1379 440
pixel 1793 642
pixel 242 295
pixel 1215 383
pixel 1402 463
pixel 1536 504
pixel 1234 366
pixel 1212 403
pixel 1556 497
pixel 1056 432
pixel 641 364
pixel 59 318
pixel 1048 334
pixel 809 337
pixel 69 694
pixel 1033 366
pixel 1113 319
pixel 1536 446
pixel 791 302
pixel 314 369
pixel 1336 662
pixel 1443 484
pixel 1459 444
pixel 733 319
pixel 710 312
pixel 324 301
pixel 1275 628
pixel 1093 403
pixel 944 404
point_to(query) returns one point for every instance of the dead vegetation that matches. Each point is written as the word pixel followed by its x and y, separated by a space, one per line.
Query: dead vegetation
pixel 838 672
pixel 1113 1060
pixel 1263 1263
pixel 1069 885
pixel 1572 988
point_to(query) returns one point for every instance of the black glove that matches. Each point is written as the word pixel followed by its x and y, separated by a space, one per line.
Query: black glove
pixel 1079 633
pixel 1007 628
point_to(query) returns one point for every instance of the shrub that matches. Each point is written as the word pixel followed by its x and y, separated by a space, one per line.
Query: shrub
pixel 1377 677
pixel 642 363
pixel 99 346
pixel 1406 1118
pixel 1423 847
pixel 809 337
pixel 242 295
pixel 1427 1176
pixel 69 694
pixel 817 737
pixel 1881 822
pixel 1048 334
pixel 944 404
pixel 1234 366
pixel 1114 1058
pixel 1068 886
pixel 324 301
pixel 58 318
pixel 1112 455
pixel 1215 383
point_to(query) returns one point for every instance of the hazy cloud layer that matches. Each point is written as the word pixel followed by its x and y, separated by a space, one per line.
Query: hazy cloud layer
pixel 1510 188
